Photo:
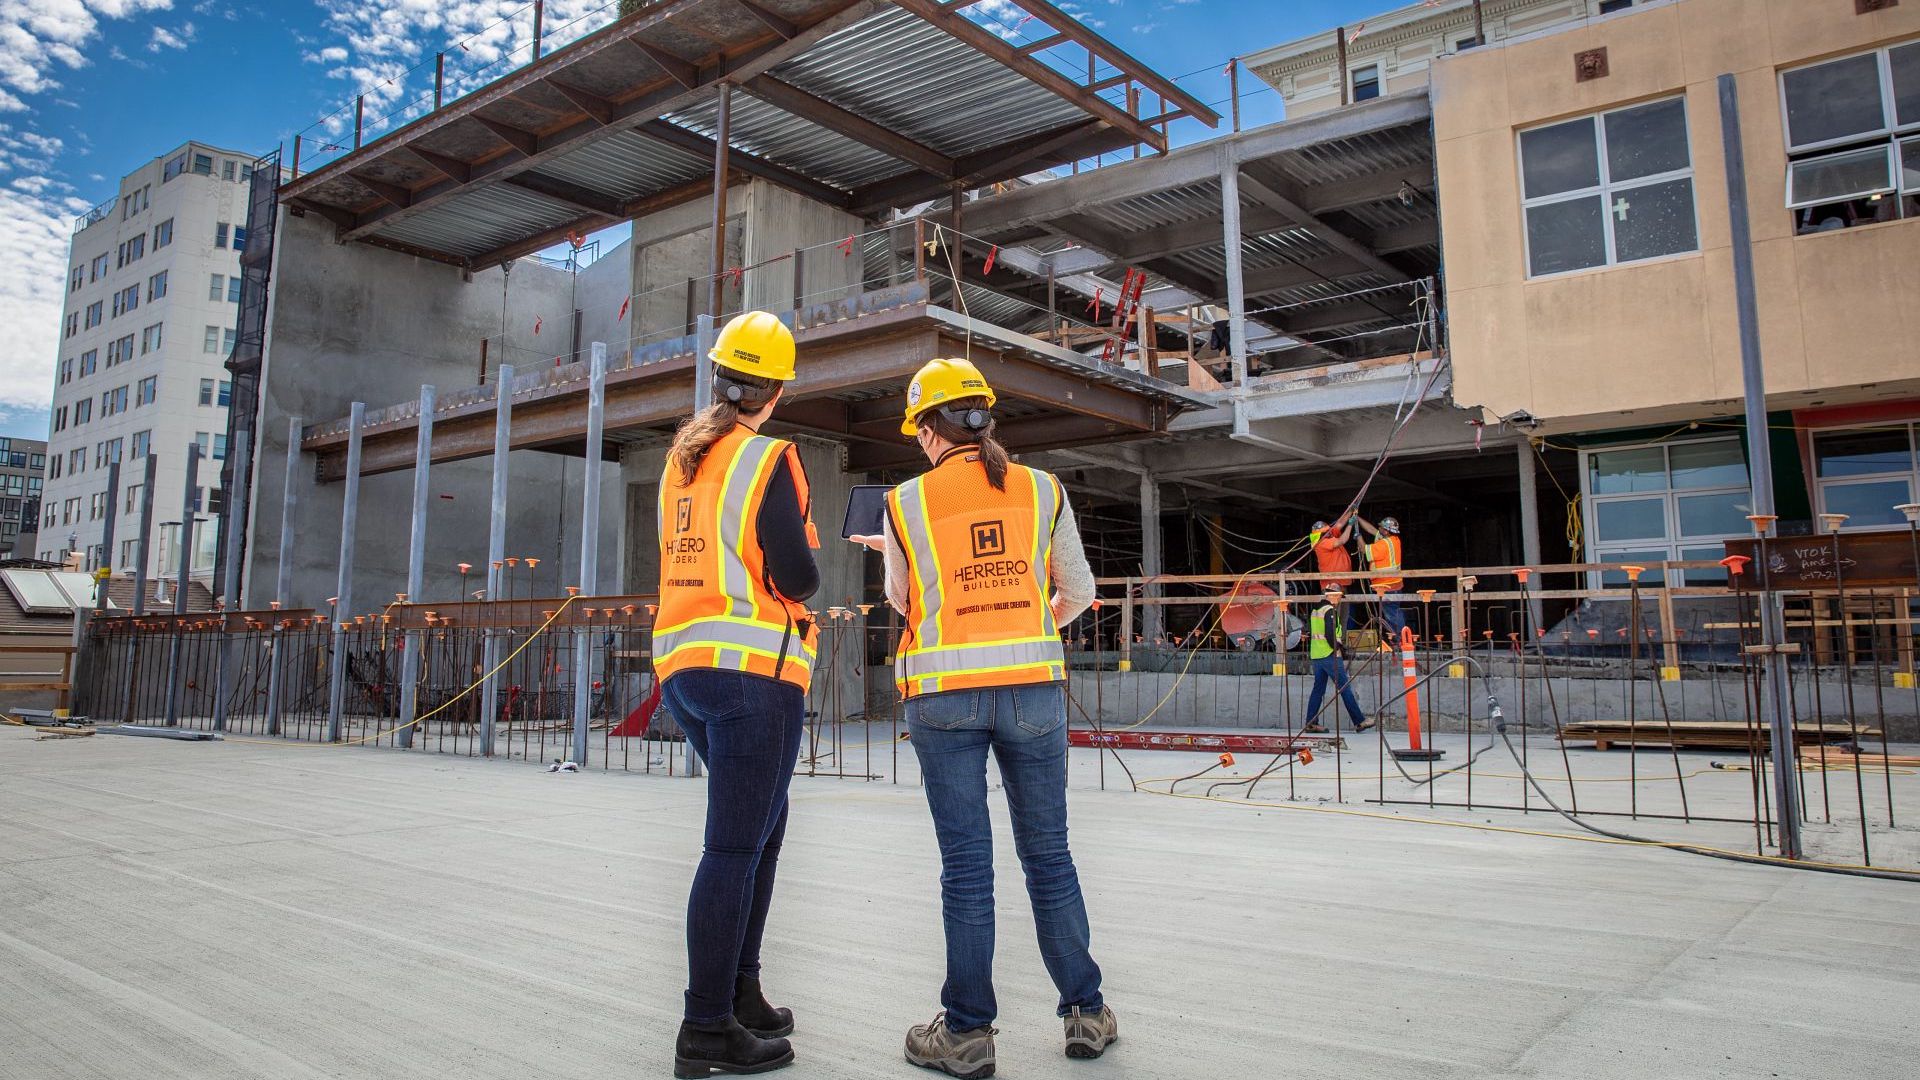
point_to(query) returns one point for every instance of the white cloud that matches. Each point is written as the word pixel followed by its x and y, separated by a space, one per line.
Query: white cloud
pixel 164 38
pixel 33 249
pixel 38 35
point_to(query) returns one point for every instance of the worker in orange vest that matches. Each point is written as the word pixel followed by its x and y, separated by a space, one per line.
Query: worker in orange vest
pixel 733 648
pixel 1330 554
pixel 1383 554
pixel 984 560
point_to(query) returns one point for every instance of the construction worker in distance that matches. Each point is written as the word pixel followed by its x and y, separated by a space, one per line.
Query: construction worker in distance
pixel 984 560
pixel 734 651
pixel 1327 648
pixel 1383 554
pixel 1330 552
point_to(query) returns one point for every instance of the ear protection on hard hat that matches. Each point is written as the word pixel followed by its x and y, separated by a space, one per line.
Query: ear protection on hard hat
pixel 747 398
pixel 975 420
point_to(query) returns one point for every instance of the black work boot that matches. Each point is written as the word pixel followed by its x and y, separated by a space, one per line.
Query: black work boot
pixel 751 1009
pixel 726 1047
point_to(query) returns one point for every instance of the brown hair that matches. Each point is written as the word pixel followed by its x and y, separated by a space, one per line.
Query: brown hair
pixel 992 455
pixel 697 433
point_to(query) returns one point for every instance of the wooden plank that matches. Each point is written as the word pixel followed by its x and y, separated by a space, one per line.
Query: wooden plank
pixel 32 649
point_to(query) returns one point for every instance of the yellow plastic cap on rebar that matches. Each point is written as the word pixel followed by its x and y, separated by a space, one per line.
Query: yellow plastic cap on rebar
pixel 939 382
pixel 1669 673
pixel 755 343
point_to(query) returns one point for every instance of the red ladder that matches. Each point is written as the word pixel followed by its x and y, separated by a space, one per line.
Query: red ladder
pixel 1124 307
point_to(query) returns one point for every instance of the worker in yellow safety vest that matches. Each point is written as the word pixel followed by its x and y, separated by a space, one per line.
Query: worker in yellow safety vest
pixel 984 560
pixel 733 648
pixel 1327 650
pixel 1383 554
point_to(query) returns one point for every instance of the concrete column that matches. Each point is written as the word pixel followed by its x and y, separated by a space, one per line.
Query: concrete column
pixel 343 604
pixel 174 681
pixel 702 363
pixel 1236 280
pixel 416 567
pixel 496 549
pixel 283 577
pixel 1152 620
pixel 1530 523
pixel 589 550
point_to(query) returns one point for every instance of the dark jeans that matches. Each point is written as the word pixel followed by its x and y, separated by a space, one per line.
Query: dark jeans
pixel 1026 727
pixel 747 731
pixel 1331 669
pixel 1393 620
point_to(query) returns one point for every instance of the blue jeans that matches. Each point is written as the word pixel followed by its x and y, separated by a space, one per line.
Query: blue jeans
pixel 747 730
pixel 1394 620
pixel 1026 726
pixel 1331 669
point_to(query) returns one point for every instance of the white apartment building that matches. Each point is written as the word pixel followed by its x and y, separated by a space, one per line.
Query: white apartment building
pixel 1388 53
pixel 153 291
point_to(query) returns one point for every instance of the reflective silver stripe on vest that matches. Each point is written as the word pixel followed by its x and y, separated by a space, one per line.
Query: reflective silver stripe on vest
pixel 969 658
pixel 1046 502
pixel 922 561
pixel 736 492
pixel 728 634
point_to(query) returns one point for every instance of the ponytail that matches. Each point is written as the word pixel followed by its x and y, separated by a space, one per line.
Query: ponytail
pixel 993 456
pixel 697 433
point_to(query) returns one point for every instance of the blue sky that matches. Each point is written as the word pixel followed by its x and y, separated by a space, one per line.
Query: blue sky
pixel 92 89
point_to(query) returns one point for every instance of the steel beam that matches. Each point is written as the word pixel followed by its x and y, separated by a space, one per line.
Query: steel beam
pixel 792 99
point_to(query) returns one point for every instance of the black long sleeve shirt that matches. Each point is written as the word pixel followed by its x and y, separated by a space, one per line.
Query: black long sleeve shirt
pixel 783 537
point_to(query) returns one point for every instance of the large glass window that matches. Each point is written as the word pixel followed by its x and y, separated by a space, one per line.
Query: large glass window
pixel 1853 139
pixel 1610 188
pixel 1665 502
pixel 1865 473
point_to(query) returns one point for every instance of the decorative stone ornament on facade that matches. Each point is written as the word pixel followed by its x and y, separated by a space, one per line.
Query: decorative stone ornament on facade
pixel 1590 65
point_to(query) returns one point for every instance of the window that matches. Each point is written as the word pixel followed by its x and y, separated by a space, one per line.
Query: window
pixel 77 279
pixel 220 447
pixel 226 341
pixel 53 467
pixel 200 440
pixel 60 420
pixel 90 361
pixel 95 316
pixel 226 170
pixel 216 285
pixel 239 238
pixel 1865 473
pixel 150 338
pixel 203 164
pixel 226 393
pixel 82 411
pixel 147 392
pixel 97 506
pixel 113 401
pixel 163 234
pixel 121 351
pixel 1608 7
pixel 1468 42
pixel 1611 188
pixel 126 546
pixel 39 461
pixel 233 289
pixel 1366 82
pixel 76 461
pixel 1853 139
pixel 174 167
pixel 106 453
pixel 1671 501
pixel 220 235
pixel 206 391
pixel 99 267
pixel 132 250
pixel 156 286
pixel 73 323
pixel 141 444
pixel 70 511
pixel 246 173
pixel 212 342
pixel 126 300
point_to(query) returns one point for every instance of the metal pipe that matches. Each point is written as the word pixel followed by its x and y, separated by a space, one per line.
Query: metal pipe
pixel 496 551
pixel 144 546
pixel 1236 280
pixel 702 363
pixel 1775 690
pixel 439 77
pixel 289 496
pixel 539 20
pixel 1479 25
pixel 187 499
pixel 1340 45
pixel 359 111
pixel 416 567
pixel 722 123
pixel 1530 524
pixel 294 171
pixel 230 585
pixel 589 549
pixel 343 593
pixel 1233 89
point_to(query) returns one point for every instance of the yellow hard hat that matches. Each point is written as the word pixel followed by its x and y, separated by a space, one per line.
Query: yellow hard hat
pixel 755 343
pixel 939 382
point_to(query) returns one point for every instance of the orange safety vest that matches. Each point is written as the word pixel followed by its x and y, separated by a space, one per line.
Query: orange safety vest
pixel 980 564
pixel 717 607
pixel 1384 554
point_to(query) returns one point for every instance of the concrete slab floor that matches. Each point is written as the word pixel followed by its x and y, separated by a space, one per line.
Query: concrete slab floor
pixel 242 910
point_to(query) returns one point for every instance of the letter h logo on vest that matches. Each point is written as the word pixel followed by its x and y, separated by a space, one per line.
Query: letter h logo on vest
pixel 683 515
pixel 989 538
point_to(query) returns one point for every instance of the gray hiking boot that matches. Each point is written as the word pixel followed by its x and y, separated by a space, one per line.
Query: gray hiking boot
pixel 965 1054
pixel 1089 1034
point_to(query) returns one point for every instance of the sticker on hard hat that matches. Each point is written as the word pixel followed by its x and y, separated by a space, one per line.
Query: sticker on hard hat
pixel 913 393
pixel 742 354
pixel 973 384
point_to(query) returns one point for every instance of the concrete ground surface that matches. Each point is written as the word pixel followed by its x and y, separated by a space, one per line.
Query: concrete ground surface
pixel 219 910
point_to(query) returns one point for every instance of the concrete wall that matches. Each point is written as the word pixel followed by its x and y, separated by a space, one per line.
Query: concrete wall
pixel 599 291
pixel 1637 342
pixel 353 322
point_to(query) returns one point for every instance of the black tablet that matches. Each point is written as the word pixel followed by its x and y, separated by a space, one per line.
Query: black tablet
pixel 866 510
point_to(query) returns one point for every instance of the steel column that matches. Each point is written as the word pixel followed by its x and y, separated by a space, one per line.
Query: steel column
pixel 416 569
pixel 703 364
pixel 144 547
pixel 1152 616
pixel 722 122
pixel 589 549
pixel 1776 693
pixel 1530 522
pixel 496 549
pixel 174 681
pixel 343 593
pixel 1236 279
pixel 230 586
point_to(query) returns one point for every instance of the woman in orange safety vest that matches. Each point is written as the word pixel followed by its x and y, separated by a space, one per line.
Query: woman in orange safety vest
pixel 733 647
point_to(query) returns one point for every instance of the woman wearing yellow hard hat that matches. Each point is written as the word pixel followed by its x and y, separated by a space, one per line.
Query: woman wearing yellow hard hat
pixel 985 562
pixel 733 648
